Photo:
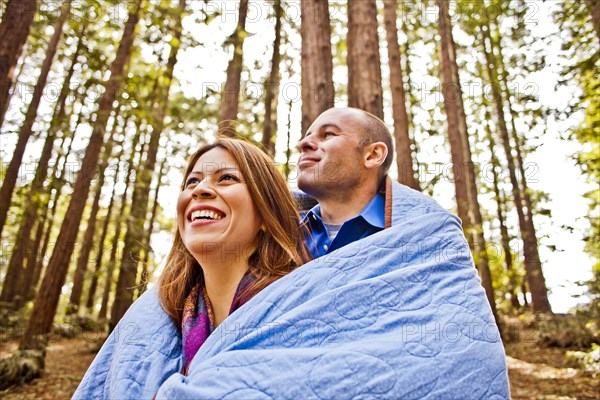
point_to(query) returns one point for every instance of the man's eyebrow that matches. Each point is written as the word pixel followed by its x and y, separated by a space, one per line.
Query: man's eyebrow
pixel 324 126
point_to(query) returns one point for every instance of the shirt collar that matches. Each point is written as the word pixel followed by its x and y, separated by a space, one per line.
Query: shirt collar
pixel 371 213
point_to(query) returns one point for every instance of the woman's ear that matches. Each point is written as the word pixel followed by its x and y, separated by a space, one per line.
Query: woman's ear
pixel 375 154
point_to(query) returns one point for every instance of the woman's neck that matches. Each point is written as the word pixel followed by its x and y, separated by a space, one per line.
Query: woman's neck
pixel 221 280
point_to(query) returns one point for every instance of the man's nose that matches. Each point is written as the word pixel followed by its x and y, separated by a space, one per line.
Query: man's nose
pixel 307 143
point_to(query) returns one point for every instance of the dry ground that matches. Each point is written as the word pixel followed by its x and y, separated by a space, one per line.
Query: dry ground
pixel 535 372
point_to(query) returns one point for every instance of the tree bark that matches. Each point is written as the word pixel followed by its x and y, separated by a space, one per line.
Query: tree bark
pixel 404 161
pixel 533 265
pixel 500 207
pixel 364 64
pixel 466 185
pixel 134 235
pixel 44 309
pixel 12 172
pixel 14 29
pixel 272 86
pixel 143 284
pixel 231 90
pixel 98 264
pixel 594 9
pixel 23 249
pixel 318 92
pixel 90 230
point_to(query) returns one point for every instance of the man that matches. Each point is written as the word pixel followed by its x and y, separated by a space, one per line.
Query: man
pixel 346 154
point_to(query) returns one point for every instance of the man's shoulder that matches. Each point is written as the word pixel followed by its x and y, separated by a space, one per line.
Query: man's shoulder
pixel 407 203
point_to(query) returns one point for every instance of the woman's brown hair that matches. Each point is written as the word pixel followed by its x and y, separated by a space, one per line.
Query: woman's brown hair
pixel 280 248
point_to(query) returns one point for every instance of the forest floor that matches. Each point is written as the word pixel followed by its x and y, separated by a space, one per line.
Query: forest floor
pixel 535 372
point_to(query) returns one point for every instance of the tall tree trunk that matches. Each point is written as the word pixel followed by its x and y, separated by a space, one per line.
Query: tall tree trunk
pixel 14 29
pixel 594 9
pixel 98 264
pixel 139 205
pixel 318 92
pixel 23 249
pixel 143 284
pixel 412 101
pixel 272 86
pixel 364 65
pixel 404 161
pixel 464 175
pixel 288 148
pixel 57 184
pixel 533 265
pixel 12 172
pixel 500 207
pixel 231 90
pixel 90 230
pixel 118 225
pixel 44 309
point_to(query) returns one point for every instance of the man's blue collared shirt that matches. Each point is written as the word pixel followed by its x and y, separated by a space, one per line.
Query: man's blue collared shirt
pixel 369 221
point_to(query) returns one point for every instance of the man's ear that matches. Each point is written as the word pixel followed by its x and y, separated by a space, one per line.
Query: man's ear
pixel 375 154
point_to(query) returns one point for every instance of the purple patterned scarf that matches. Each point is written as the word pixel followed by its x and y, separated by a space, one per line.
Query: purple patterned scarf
pixel 197 322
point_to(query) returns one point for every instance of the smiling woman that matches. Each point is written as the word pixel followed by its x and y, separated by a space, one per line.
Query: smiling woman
pixel 237 232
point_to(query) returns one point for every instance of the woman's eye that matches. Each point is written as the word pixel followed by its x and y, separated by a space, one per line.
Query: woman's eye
pixel 191 181
pixel 228 178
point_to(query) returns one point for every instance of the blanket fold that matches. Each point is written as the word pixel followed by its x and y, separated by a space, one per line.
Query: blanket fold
pixel 400 314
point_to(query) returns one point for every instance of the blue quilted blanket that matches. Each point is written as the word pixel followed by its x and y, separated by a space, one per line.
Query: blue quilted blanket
pixel 400 314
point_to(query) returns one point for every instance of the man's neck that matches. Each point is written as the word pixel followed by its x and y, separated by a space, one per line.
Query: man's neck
pixel 339 210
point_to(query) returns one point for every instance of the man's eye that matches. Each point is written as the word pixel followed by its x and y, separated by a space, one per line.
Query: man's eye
pixel 328 134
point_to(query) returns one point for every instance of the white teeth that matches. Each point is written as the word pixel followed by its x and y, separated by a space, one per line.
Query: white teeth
pixel 205 214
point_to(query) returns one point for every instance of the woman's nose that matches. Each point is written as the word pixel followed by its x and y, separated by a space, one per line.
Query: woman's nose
pixel 203 189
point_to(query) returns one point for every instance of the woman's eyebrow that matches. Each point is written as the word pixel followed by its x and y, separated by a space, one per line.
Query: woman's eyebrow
pixel 211 171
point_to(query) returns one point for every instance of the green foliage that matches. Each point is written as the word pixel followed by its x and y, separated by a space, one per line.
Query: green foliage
pixel 566 330
pixel 589 361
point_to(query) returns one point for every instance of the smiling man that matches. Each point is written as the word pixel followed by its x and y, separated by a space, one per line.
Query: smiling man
pixel 346 154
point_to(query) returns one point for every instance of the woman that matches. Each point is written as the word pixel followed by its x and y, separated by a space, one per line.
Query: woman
pixel 237 233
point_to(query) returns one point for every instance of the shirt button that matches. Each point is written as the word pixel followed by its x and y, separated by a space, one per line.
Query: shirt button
pixel 325 247
pixel 314 217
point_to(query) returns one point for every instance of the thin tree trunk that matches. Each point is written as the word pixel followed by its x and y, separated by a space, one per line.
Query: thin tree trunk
pixel 364 65
pixel 533 266
pixel 318 92
pixel 231 91
pixel 593 7
pixel 272 85
pixel 98 264
pixel 12 172
pixel 46 302
pixel 23 249
pixel 288 149
pixel 14 29
pixel 90 230
pixel 500 206
pixel 131 168
pixel 465 183
pixel 58 183
pixel 404 161
pixel 413 103
pixel 139 204
pixel 143 284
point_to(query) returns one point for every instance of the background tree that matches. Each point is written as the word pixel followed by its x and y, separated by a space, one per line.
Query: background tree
pixel 14 28
pixel 47 298
pixel 231 89
pixel 364 65
pixel 318 91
